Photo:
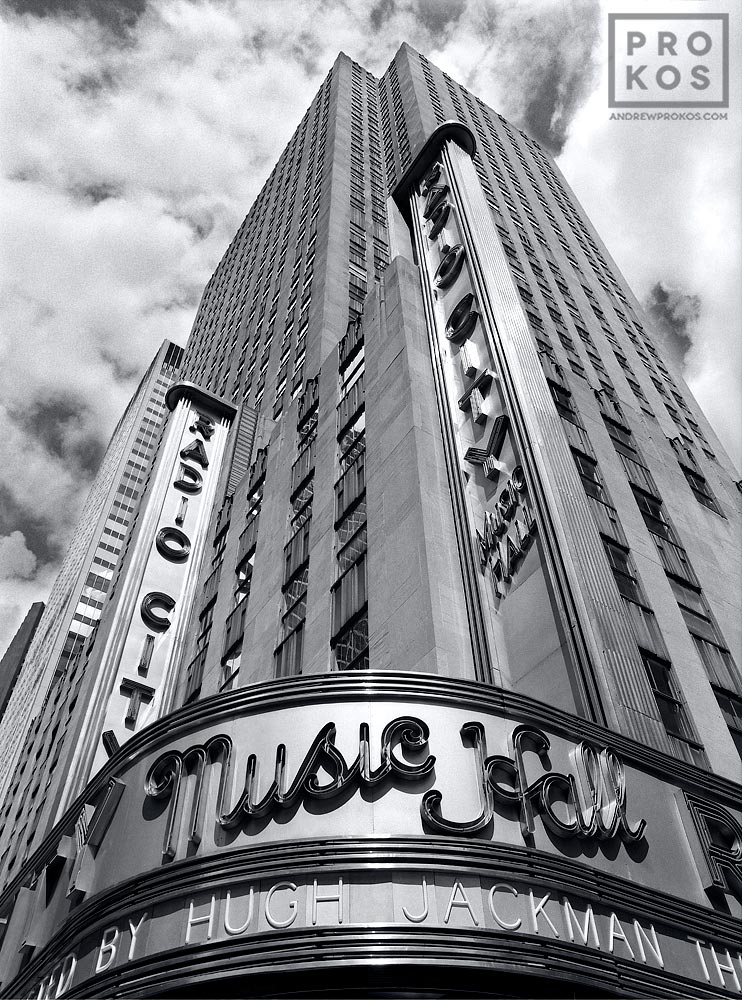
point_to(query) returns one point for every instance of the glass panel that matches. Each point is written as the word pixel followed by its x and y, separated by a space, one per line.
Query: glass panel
pixel 351 648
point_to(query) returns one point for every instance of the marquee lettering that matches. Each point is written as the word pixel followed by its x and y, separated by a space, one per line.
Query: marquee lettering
pixel 59 980
pixel 517 906
pixel 173 544
pixel 432 177
pixel 590 803
pixel 438 219
pixel 153 602
pixel 500 547
pixel 203 425
pixel 462 320
pixel 189 479
pixel 720 838
pixel 449 268
pixel 196 452
pixel 165 777
pixel 139 694
pixel 437 196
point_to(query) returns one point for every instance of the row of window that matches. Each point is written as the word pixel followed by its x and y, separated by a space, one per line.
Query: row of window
pixel 288 653
pixel 649 640
pixel 349 639
pixel 721 670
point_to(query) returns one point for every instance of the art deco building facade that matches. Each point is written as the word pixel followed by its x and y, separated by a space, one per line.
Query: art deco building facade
pixel 420 671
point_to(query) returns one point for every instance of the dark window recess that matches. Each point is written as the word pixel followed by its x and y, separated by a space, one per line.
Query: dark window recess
pixel 589 474
pixel 701 489
pixel 563 399
pixel 653 514
pixel 350 486
pixel 351 646
pixel 351 443
pixel 720 667
pixel 672 710
pixel 288 654
pixel 296 552
pixel 349 594
pixel 731 708
pixel 623 573
pixel 351 402
pixel 194 676
pixel 249 537
pixel 302 467
pixel 295 601
pixel 621 436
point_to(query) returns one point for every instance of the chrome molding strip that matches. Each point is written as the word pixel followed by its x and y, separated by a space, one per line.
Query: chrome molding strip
pixel 445 855
pixel 468 561
pixel 496 952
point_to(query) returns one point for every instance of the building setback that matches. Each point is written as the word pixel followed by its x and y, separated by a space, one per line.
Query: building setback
pixel 419 671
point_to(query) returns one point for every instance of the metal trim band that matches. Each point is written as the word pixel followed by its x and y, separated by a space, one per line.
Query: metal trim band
pixel 358 854
pixel 413 947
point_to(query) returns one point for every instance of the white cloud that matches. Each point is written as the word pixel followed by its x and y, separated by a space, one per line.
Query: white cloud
pixel 130 162
pixel 665 197
pixel 15 558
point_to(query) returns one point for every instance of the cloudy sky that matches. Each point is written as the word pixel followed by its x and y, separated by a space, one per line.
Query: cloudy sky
pixel 135 134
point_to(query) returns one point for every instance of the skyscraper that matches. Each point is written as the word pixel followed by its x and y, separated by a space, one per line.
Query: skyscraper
pixel 34 729
pixel 12 660
pixel 419 673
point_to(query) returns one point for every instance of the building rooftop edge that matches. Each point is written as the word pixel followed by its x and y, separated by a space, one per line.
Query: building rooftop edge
pixel 190 390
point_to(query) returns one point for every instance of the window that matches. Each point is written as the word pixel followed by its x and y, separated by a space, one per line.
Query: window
pixel 230 668
pixel 688 597
pixel 589 474
pixel 193 676
pixel 352 442
pixel 352 373
pixel 350 486
pixel 295 601
pixel 654 517
pixel 623 573
pixel 672 710
pixel 349 593
pixel 351 537
pixel 243 579
pixel 731 708
pixel 701 490
pixel 303 467
pixel 351 646
pixel 563 400
pixel 695 612
pixel 621 437
pixel 296 552
pixel 288 654
pixel 720 667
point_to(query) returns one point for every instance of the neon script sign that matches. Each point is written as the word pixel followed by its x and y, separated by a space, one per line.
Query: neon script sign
pixel 589 802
